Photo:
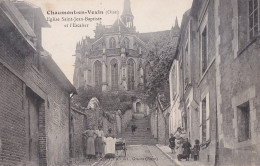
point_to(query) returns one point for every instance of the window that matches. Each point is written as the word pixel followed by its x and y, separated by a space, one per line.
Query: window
pixel 204 120
pixel 36 61
pixel 204 49
pixel 186 66
pixel 98 73
pixel 253 18
pixel 114 74
pixel 131 74
pixel 112 43
pixel 126 43
pixel 243 121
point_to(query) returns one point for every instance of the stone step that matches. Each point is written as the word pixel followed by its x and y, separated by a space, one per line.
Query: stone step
pixel 141 143
pixel 139 138
pixel 141 134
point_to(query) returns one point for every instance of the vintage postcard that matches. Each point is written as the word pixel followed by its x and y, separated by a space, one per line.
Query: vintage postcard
pixel 129 82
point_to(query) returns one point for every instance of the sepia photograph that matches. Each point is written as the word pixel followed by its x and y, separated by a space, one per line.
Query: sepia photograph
pixel 129 83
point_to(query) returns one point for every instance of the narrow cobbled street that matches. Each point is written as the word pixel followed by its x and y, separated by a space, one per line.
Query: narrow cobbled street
pixel 137 155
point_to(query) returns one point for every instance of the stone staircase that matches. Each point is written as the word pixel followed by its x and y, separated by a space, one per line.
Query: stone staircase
pixel 142 135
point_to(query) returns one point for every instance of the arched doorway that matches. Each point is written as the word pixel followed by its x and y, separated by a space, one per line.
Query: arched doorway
pixel 138 107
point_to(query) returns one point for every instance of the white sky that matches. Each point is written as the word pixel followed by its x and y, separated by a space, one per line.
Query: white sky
pixel 149 16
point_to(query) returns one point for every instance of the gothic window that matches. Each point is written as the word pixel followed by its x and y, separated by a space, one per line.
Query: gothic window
pixel 98 73
pixel 114 74
pixel 253 18
pixel 131 74
pixel 204 49
pixel 112 43
pixel 127 43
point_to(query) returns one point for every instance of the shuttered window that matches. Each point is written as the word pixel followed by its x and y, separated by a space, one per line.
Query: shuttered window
pixel 205 119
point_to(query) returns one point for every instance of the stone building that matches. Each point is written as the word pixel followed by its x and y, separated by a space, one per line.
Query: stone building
pixel 116 58
pixel 214 81
pixel 35 94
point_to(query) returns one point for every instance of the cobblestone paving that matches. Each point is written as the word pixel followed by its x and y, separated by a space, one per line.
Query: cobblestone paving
pixel 137 155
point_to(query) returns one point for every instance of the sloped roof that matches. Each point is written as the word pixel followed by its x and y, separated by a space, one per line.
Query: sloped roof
pixel 16 18
pixel 24 5
pixel 56 71
pixel 119 25
pixel 195 8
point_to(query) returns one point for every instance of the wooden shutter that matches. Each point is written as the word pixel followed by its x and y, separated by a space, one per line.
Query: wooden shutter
pixel 201 121
pixel 207 118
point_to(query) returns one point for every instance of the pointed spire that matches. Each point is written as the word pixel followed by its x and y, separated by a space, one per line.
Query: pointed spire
pixel 127 8
pixel 127 16
pixel 176 22
pixel 118 23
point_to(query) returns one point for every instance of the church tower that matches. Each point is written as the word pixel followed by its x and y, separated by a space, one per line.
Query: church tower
pixel 175 32
pixel 127 16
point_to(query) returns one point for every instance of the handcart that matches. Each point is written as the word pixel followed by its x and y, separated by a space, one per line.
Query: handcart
pixel 120 145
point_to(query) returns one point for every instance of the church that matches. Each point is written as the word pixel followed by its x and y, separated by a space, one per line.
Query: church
pixel 116 58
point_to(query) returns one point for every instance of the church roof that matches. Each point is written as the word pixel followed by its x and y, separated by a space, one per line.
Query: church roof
pixel 146 37
pixel 119 26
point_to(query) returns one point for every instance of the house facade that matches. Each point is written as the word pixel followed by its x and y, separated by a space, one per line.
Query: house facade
pixel 214 80
pixel 35 94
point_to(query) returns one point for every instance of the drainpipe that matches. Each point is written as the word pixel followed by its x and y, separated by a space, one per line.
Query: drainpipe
pixel 70 139
pixel 217 138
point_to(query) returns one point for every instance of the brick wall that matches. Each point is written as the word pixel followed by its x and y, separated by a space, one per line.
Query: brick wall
pixel 12 119
pixel 18 74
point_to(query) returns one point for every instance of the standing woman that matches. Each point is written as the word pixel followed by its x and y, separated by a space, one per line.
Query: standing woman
pixel 99 141
pixel 90 134
pixel 179 135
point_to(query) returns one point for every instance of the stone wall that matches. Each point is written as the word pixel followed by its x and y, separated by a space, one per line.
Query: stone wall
pixel 126 118
pixel 237 84
pixel 78 126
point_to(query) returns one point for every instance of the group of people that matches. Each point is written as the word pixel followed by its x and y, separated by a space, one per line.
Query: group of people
pixel 179 142
pixel 97 144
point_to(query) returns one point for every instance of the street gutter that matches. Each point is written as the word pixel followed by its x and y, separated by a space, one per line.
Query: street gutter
pixel 175 161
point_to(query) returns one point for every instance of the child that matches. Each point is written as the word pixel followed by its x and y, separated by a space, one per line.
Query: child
pixel 172 143
pixel 186 151
pixel 196 150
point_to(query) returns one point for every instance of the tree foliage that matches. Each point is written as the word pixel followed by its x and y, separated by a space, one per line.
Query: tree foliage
pixel 109 101
pixel 160 57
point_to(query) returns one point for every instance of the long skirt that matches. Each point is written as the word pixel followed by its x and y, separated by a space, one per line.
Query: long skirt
pixel 99 145
pixel 90 146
